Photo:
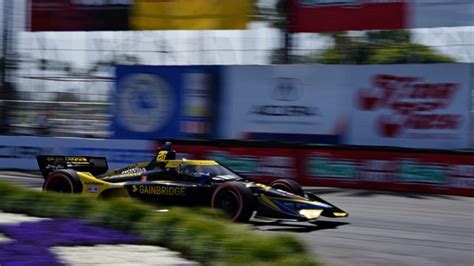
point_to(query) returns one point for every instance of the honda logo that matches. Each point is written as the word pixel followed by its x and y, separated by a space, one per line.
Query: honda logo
pixel 287 89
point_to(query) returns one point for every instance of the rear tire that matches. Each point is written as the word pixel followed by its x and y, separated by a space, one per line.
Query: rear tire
pixel 235 199
pixel 288 185
pixel 63 181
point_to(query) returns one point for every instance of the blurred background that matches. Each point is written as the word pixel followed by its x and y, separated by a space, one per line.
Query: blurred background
pixel 378 74
pixel 60 55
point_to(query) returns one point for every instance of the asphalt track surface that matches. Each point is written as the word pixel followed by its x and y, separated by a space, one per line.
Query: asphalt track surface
pixel 384 228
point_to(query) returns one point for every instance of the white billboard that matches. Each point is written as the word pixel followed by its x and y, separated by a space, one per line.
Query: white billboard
pixel 294 102
pixel 417 106
pixel 440 13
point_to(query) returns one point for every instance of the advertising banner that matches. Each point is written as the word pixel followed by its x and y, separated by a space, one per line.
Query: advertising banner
pixel 345 15
pixel 418 106
pixel 154 102
pixel 428 171
pixel 78 15
pixel 107 15
pixel 190 14
pixel 441 13
pixel 306 103
pixel 19 152
pixel 390 170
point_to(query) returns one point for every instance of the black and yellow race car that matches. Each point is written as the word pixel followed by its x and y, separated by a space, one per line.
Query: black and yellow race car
pixel 166 180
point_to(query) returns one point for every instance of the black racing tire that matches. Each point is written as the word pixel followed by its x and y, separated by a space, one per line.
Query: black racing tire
pixel 63 181
pixel 288 185
pixel 235 199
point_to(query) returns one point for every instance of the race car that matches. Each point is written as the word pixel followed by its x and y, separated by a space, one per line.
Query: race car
pixel 167 180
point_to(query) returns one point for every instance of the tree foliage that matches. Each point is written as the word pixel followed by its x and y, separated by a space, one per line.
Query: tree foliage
pixel 370 47
pixel 378 47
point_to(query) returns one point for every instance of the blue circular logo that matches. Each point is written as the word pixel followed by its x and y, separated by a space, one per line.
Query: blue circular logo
pixel 145 102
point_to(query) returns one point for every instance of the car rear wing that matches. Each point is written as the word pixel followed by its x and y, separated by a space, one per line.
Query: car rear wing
pixel 50 163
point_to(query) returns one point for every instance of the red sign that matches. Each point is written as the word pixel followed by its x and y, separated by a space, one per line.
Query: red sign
pixel 343 15
pixel 413 106
pixel 78 15
pixel 412 102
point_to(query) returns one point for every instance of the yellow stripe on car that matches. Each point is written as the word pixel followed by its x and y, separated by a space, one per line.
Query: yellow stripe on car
pixel 175 163
pixel 267 201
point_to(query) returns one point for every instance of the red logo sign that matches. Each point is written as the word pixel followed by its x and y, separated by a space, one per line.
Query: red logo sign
pixel 414 104
pixel 342 15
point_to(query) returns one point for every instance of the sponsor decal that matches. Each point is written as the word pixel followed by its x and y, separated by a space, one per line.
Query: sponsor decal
pixel 415 108
pixel 93 189
pixel 123 175
pixel 198 95
pixel 413 172
pixel 287 89
pixel 462 170
pixel 284 92
pixel 378 170
pixel 273 166
pixel 134 170
pixel 464 183
pixel 54 167
pixel 76 159
pixel 324 167
pixel 243 164
pixel 159 190
pixel 277 166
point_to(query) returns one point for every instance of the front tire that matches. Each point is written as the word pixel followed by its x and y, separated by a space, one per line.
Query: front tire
pixel 288 185
pixel 63 181
pixel 235 199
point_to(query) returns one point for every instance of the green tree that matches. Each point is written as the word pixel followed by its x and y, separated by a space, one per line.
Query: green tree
pixel 280 20
pixel 372 47
pixel 377 47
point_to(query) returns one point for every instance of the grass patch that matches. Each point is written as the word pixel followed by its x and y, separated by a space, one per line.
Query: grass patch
pixel 200 234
